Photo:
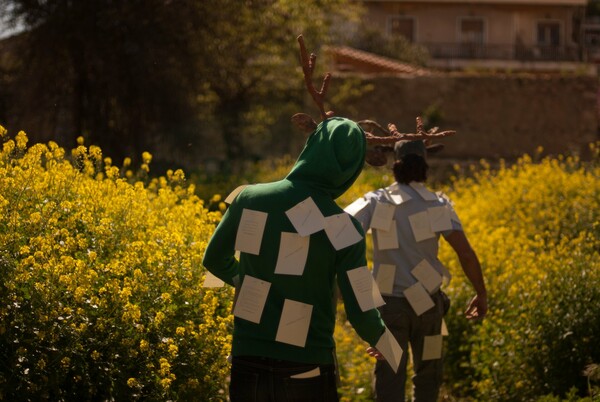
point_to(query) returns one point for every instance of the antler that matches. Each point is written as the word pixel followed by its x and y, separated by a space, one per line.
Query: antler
pixel 308 66
pixel 393 135
pixel 420 134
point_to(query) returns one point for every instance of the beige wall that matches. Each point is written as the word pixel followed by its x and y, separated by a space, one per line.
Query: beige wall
pixel 496 116
pixel 439 22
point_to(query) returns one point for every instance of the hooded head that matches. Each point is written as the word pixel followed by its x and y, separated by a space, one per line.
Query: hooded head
pixel 333 156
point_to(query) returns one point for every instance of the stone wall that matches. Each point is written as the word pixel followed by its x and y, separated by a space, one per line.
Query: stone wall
pixel 495 116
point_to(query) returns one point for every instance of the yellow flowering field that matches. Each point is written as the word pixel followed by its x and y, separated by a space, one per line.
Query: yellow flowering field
pixel 100 281
pixel 536 228
pixel 101 296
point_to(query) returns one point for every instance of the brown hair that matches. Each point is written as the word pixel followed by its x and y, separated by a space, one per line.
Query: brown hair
pixel 409 168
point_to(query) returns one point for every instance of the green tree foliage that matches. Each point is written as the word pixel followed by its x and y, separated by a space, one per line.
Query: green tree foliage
pixel 397 47
pixel 164 76
pixel 117 72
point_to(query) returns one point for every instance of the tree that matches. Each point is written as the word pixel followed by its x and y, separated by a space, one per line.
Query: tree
pixel 157 74
pixel 115 72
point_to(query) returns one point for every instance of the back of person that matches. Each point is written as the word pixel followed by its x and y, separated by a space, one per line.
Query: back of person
pixel 295 246
pixel 407 220
pixel 411 203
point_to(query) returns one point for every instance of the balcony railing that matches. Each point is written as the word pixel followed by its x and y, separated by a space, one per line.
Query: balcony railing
pixel 504 52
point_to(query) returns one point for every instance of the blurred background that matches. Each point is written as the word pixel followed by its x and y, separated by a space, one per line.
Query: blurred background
pixel 211 85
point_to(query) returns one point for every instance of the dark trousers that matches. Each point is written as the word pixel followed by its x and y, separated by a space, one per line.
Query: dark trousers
pixel 258 379
pixel 410 329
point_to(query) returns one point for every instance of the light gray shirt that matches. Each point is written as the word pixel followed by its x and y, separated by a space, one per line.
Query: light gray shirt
pixel 410 250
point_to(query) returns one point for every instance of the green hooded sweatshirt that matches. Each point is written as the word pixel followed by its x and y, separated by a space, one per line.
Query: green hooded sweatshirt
pixel 329 164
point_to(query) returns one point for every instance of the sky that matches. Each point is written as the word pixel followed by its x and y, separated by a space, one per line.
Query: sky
pixel 6 30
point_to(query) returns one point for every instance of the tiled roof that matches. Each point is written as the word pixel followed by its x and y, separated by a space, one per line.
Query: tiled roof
pixel 350 59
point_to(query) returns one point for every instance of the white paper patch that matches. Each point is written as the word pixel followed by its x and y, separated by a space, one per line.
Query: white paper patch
pixel 250 231
pixel 308 374
pixel 427 275
pixel 365 289
pixel 232 196
pixel 418 298
pixel 294 323
pixel 397 195
pixel 387 240
pixel 341 231
pixel 439 218
pixel 251 300
pixel 444 328
pixel 454 216
pixel 432 347
pixel 293 251
pixel 390 349
pixel 306 217
pixel 386 274
pixel 383 216
pixel 420 226
pixel 356 206
pixel 423 191
pixel 211 281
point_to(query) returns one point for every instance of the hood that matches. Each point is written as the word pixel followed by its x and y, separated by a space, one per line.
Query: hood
pixel 332 158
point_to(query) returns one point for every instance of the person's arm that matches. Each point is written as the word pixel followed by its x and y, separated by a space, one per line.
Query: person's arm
pixel 219 257
pixel 367 324
pixel 469 262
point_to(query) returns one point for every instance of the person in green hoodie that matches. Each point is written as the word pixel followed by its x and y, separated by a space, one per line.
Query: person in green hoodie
pixel 296 246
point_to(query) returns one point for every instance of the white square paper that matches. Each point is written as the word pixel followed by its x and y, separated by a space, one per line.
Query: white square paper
pixel 418 298
pixel 235 193
pixel 420 225
pixel 427 275
pixel 306 217
pixel 397 195
pixel 383 216
pixel 365 289
pixel 341 231
pixel 293 251
pixel 432 347
pixel 294 323
pixel 387 240
pixel 444 328
pixel 356 206
pixel 454 216
pixel 439 218
pixel 390 349
pixel 386 274
pixel 423 191
pixel 250 231
pixel 211 281
pixel 251 299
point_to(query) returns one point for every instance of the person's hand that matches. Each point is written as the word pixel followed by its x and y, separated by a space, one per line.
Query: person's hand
pixel 477 307
pixel 373 352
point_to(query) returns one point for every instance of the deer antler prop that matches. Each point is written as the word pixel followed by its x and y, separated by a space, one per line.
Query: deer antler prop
pixel 420 134
pixel 379 145
pixel 376 155
pixel 302 120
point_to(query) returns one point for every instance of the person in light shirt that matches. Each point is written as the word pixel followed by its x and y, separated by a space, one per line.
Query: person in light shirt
pixel 407 221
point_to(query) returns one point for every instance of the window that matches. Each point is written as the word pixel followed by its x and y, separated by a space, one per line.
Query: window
pixel 472 30
pixel 548 33
pixel 402 26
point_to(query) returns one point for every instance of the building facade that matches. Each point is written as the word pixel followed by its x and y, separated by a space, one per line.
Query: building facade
pixel 502 33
